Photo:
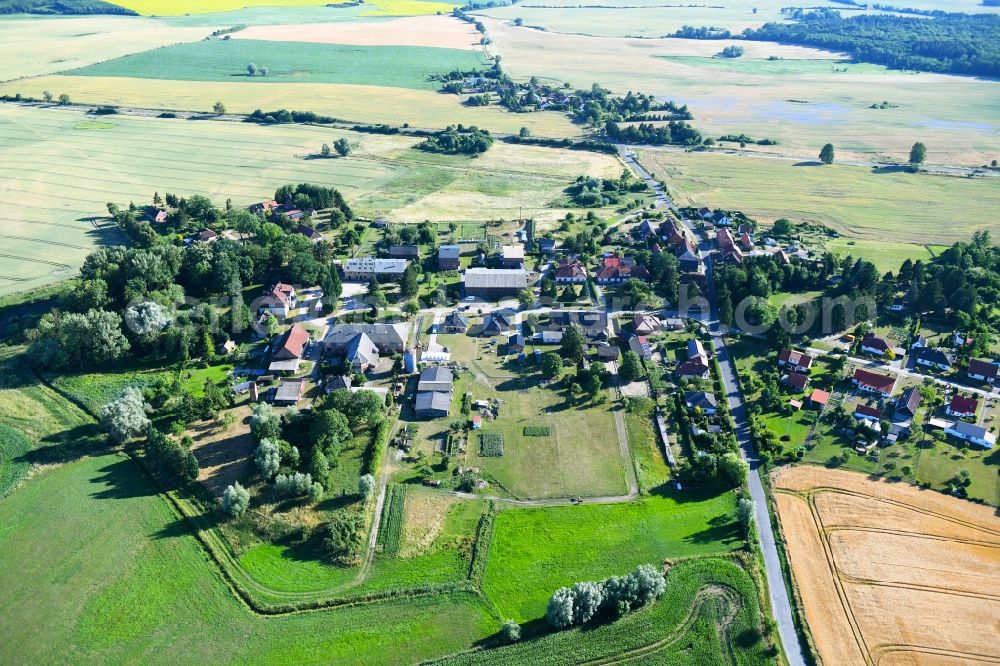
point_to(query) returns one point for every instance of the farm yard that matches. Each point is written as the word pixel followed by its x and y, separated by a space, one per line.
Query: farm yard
pixel 876 207
pixel 957 120
pixel 70 174
pixel 875 563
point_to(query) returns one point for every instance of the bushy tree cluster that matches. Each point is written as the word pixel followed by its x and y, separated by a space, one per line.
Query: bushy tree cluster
pixel 235 499
pixel 292 485
pixel 125 417
pixel 458 141
pixel 173 457
pixel 615 596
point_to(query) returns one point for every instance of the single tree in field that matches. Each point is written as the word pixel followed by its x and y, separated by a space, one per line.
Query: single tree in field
pixel 252 69
pixel 511 631
pixel 325 150
pixel 551 365
pixel 826 154
pixel 47 96
pixel 235 499
pixel 263 71
pixel 342 147
pixel 219 108
pixel 918 153
pixel 366 485
pixel 125 417
pixel 64 99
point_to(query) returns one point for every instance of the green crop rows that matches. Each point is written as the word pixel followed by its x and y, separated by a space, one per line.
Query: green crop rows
pixel 392 520
pixel 537 431
pixel 491 444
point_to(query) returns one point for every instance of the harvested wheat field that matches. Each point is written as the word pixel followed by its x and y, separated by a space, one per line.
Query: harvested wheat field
pixel 435 31
pixel 888 573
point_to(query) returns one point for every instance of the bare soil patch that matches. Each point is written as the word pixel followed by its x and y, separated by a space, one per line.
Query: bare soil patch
pixel 436 31
pixel 223 453
pixel 889 573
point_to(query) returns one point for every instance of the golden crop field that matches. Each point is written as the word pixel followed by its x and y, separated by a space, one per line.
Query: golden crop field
pixel 353 103
pixel 435 31
pixel 889 573
pixel 899 207
pixel 35 45
pixel 804 100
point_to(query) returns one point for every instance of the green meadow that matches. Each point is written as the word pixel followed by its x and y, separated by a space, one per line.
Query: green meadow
pixel 291 62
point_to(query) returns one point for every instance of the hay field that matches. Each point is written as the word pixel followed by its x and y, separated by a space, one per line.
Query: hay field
pixel 55 179
pixel 957 117
pixel 915 208
pixel 889 570
pixel 427 31
pixel 34 45
pixel 290 62
pixel 353 103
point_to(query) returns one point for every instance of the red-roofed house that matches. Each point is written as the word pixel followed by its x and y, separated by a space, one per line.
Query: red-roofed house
pixel 874 344
pixel 570 271
pixel 962 406
pixel 263 207
pixel 292 344
pixel 873 382
pixel 279 300
pixel 819 397
pixel 983 371
pixel 154 214
pixel 614 270
pixel 796 380
pixel 867 413
pixel 795 360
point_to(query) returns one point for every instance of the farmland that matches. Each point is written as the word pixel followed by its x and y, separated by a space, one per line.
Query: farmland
pixel 851 200
pixel 290 62
pixel 427 31
pixel 957 121
pixel 377 7
pixel 875 562
pixel 531 550
pixel 72 173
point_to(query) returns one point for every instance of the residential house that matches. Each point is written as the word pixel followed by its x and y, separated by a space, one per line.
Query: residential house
pixel 959 339
pixel 364 269
pixel 404 252
pixel 728 247
pixel 512 256
pixel 982 370
pixel 449 257
pixel 720 219
pixel 703 400
pixel 696 364
pixel 745 229
pixel 491 284
pixel 643 229
pixel 593 323
pixel 455 322
pixel 288 350
pixel 546 245
pixel 746 242
pixel 206 236
pixel 644 324
pixel 570 271
pixel 432 404
pixel 705 213
pixel 263 208
pixel 963 407
pixel 795 360
pixel 640 345
pixel 289 391
pixel 796 380
pixel 671 233
pixel 934 358
pixel 819 398
pixel 920 342
pixel 339 383
pixel 496 323
pixel 155 215
pixel 362 345
pixel 607 352
pixel 515 343
pixel 311 234
pixel 873 344
pixel 436 378
pixel 615 270
pixel 867 413
pixel 873 382
pixel 279 300
pixel 689 258
pixel 908 402
pixel 972 433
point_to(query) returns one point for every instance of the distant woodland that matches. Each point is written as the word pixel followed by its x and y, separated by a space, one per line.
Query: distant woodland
pixel 61 7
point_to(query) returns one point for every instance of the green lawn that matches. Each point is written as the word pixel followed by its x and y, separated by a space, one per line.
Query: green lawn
pixel 651 466
pixel 291 62
pixel 942 461
pixel 96 568
pixel 536 551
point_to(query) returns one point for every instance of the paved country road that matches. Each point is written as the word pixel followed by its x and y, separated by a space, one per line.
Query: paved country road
pixel 777 592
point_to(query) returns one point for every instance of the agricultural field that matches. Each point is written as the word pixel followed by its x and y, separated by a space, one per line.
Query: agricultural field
pixel 424 31
pixel 291 62
pixel 852 200
pixel 34 45
pixel 536 551
pixel 70 174
pixel 958 120
pixel 875 563
pixel 371 8
pixel 115 582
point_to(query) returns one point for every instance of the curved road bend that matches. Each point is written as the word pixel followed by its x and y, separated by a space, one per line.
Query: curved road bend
pixel 780 605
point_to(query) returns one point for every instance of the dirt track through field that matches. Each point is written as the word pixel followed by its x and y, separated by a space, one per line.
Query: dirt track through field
pixel 888 573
